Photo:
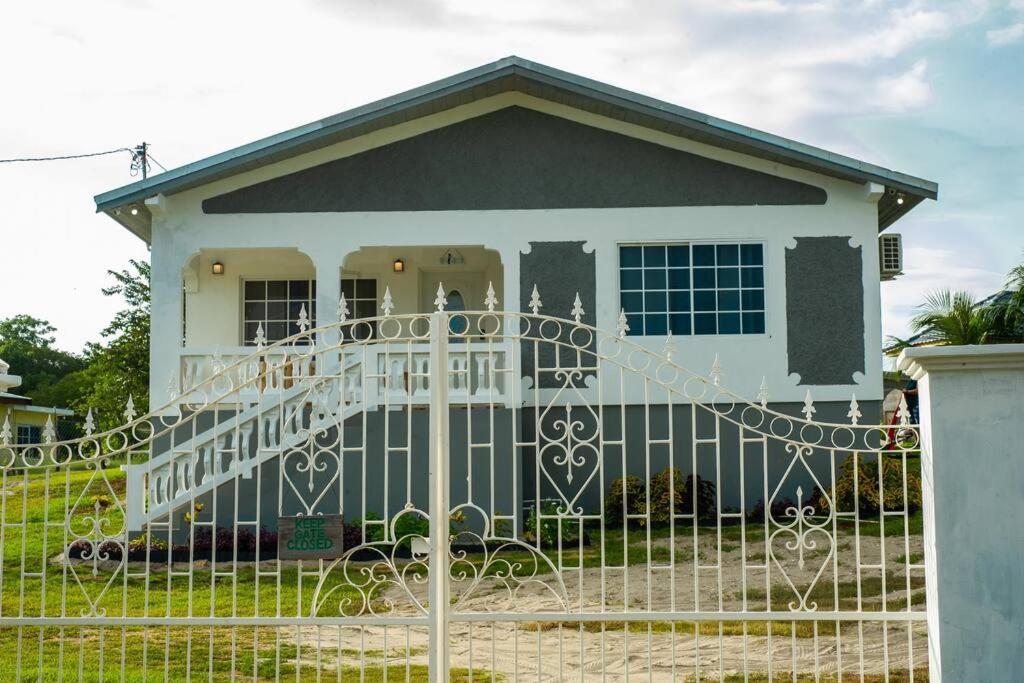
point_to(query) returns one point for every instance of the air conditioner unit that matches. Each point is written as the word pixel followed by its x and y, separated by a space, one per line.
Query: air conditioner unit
pixel 890 255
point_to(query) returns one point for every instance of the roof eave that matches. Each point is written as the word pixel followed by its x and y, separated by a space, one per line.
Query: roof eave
pixel 739 137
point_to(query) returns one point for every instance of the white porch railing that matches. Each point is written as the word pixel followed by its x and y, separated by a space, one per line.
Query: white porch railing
pixel 198 365
pixel 394 375
pixel 478 371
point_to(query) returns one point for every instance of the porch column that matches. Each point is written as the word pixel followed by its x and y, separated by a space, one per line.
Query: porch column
pixel 972 471
pixel 328 292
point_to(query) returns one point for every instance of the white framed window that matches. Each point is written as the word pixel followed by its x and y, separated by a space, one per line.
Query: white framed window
pixel 692 288
pixel 277 305
pixel 29 434
pixel 361 295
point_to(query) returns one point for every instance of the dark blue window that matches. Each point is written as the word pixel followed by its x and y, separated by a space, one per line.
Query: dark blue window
pixel 692 289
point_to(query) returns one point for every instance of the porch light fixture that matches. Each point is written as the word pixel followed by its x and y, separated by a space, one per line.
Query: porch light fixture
pixel 899 198
pixel 398 266
pixel 217 268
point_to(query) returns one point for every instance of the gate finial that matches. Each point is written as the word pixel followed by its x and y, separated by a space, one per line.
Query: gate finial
pixel 808 410
pixel 342 309
pixel 491 301
pixel 854 413
pixel 577 309
pixel 670 345
pixel 261 337
pixel 439 300
pixel 172 386
pixel 386 303
pixel 49 434
pixel 622 326
pixel 903 412
pixel 5 431
pixel 90 423
pixel 129 409
pixel 762 395
pixel 716 372
pixel 535 303
pixel 303 319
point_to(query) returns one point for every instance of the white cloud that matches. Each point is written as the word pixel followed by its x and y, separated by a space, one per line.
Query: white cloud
pixel 1005 36
pixel 906 91
pixel 214 75
pixel 929 269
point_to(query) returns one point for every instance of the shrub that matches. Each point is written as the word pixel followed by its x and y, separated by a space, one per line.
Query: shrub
pixel 670 492
pixel 869 498
pixel 140 543
pixel 546 527
pixel 629 495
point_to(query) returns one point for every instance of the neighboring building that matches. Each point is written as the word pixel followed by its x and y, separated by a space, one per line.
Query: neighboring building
pixel 26 423
pixel 756 249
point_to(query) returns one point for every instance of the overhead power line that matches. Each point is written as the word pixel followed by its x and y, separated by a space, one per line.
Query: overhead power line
pixel 140 158
pixel 67 156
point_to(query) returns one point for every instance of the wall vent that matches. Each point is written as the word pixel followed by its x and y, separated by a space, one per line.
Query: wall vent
pixel 890 255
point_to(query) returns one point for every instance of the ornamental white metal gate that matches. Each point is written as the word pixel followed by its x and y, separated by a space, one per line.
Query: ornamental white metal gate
pixel 511 495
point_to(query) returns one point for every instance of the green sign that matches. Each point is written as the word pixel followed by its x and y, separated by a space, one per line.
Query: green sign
pixel 314 537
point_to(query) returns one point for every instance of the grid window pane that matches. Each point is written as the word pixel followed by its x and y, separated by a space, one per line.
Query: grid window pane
pixel 753 323
pixel 632 302
pixel 361 295
pixel 678 302
pixel 631 279
pixel 655 301
pixel 631 257
pixel 728 277
pixel 654 278
pixel 656 324
pixel 654 256
pixel 703 278
pixel 751 255
pixel 728 323
pixel 728 300
pixel 276 306
pixel 693 289
pixel 704 323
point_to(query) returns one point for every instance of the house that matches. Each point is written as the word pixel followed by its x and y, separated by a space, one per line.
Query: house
pixel 24 423
pixel 736 249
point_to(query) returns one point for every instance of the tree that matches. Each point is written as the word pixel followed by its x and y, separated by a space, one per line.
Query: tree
pixel 1007 310
pixel 27 345
pixel 949 317
pixel 119 367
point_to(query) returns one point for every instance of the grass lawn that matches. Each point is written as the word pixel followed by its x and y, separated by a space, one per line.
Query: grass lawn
pixel 33 508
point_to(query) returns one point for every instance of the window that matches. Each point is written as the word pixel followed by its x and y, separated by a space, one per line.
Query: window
pixel 29 434
pixel 276 304
pixel 692 288
pixel 361 295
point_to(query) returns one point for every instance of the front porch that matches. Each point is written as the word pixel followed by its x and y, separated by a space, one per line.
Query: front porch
pixel 233 298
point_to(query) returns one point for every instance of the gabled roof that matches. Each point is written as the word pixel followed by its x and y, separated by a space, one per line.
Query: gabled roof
pixel 504 75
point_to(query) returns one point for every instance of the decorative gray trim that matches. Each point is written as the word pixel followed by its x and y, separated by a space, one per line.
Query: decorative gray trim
pixel 825 310
pixel 560 270
pixel 515 158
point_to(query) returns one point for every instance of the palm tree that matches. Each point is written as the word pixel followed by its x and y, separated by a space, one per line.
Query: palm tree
pixel 1007 308
pixel 949 317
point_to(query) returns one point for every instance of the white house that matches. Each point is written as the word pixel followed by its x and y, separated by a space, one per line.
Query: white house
pixel 756 250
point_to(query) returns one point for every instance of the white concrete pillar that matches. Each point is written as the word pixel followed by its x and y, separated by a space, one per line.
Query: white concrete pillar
pixel 328 292
pixel 972 470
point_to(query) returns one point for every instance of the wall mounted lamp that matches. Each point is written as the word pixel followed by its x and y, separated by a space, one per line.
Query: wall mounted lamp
pixel 398 266
pixel 217 268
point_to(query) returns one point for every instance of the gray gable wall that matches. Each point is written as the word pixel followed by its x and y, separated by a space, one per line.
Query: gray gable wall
pixel 515 158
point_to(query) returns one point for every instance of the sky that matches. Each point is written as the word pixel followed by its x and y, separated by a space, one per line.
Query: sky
pixel 934 89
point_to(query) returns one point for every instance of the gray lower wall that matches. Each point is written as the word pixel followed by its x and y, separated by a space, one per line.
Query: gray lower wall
pixel 380 482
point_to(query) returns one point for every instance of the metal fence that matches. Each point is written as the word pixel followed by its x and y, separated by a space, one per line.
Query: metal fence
pixel 500 496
